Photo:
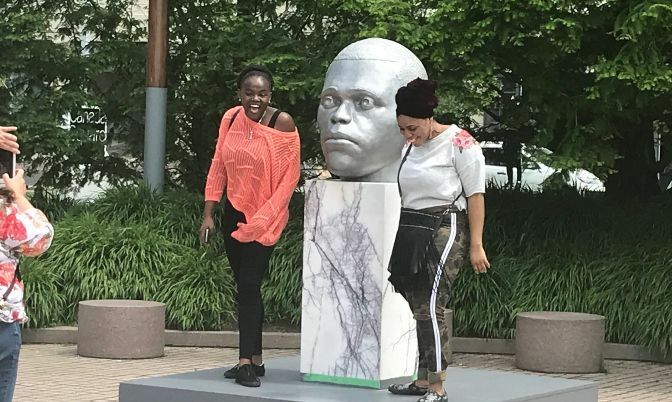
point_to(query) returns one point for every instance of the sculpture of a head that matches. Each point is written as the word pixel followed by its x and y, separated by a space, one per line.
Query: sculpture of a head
pixel 357 114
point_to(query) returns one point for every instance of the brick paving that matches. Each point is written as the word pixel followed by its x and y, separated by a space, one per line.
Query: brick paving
pixel 52 373
pixel 622 381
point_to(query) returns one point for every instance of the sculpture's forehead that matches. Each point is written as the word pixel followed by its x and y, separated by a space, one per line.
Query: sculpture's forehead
pixel 376 48
pixel 375 75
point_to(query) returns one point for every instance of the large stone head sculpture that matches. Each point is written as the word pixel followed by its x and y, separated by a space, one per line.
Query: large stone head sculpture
pixel 357 113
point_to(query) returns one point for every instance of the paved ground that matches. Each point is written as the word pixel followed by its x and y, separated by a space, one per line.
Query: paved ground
pixel 624 381
pixel 51 373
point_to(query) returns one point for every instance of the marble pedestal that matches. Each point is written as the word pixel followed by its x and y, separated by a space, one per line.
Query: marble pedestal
pixel 355 329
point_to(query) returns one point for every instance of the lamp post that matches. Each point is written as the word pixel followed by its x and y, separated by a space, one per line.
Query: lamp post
pixel 156 95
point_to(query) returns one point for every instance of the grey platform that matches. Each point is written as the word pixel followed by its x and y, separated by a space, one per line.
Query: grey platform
pixel 283 383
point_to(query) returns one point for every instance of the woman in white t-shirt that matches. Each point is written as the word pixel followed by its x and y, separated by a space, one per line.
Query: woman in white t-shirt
pixel 441 183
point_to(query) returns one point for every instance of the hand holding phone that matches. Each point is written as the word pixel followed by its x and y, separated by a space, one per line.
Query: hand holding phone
pixel 16 184
pixel 7 163
pixel 206 227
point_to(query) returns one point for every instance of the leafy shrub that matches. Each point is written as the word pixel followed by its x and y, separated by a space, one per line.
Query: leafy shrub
pixel 549 251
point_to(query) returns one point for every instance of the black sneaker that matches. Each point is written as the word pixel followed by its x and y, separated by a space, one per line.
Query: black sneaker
pixel 407 389
pixel 246 376
pixel 432 396
pixel 260 371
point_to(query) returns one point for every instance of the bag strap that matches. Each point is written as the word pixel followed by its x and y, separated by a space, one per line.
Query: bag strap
pixel 274 118
pixel 452 204
pixel 271 123
pixel 232 119
pixel 17 275
pixel 403 160
pixel 408 151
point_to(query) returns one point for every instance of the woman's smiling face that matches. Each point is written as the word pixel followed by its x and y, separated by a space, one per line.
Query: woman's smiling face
pixel 255 95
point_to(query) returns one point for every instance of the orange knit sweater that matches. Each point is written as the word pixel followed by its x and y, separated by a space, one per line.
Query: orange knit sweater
pixel 260 167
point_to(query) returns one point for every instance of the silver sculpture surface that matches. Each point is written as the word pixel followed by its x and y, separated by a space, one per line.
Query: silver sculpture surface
pixel 357 114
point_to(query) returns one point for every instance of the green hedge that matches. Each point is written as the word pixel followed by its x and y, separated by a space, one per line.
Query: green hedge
pixel 552 251
pixel 138 245
pixel 570 253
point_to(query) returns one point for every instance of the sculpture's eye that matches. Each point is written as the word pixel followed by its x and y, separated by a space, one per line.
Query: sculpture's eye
pixel 328 101
pixel 366 102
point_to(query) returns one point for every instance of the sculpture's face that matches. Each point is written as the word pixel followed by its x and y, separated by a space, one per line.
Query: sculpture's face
pixel 357 119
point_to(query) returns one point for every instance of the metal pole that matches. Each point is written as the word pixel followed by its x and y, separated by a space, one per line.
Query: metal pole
pixel 156 95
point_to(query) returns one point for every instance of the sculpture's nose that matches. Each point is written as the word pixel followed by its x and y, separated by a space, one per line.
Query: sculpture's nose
pixel 342 114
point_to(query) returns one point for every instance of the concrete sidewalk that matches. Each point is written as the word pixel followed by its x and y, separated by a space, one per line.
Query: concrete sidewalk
pixel 50 373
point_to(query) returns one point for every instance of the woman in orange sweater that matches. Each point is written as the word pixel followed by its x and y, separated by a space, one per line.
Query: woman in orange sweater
pixel 257 162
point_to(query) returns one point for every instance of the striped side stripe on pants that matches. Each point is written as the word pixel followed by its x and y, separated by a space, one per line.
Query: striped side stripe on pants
pixel 435 287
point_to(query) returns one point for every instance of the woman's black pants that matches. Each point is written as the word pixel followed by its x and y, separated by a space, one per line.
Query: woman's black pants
pixel 249 263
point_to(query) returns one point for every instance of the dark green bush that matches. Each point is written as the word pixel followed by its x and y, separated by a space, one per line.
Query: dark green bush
pixel 568 252
pixel 198 292
pixel 43 296
pixel 551 251
pixel 135 244
pixel 97 258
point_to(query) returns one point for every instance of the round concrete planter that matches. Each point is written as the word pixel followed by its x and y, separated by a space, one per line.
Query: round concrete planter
pixel 121 329
pixel 559 342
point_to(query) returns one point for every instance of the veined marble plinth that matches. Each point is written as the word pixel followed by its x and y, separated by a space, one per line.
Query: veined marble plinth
pixel 355 329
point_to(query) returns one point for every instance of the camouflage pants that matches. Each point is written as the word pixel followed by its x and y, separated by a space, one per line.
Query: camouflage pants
pixel 429 298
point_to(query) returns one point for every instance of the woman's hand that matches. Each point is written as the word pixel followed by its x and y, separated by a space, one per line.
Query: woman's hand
pixel 479 261
pixel 208 224
pixel 249 232
pixel 16 184
pixel 8 141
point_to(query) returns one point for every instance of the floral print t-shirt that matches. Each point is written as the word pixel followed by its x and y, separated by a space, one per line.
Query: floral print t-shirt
pixel 446 169
pixel 26 233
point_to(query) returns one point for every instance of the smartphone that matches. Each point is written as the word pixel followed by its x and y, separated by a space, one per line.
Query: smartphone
pixel 7 163
pixel 206 236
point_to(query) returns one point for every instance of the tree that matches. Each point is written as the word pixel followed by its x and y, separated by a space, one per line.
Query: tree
pixel 595 76
pixel 636 82
pixel 211 41
pixel 55 59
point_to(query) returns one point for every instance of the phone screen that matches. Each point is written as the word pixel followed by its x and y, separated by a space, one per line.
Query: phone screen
pixel 7 163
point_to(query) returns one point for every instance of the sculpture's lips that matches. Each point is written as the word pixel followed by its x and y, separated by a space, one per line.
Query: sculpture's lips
pixel 337 142
pixel 339 138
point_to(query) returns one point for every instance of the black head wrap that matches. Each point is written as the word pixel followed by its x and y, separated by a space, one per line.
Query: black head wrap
pixel 417 99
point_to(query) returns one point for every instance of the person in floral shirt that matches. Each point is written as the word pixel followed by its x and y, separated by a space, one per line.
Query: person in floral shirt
pixel 442 184
pixel 24 230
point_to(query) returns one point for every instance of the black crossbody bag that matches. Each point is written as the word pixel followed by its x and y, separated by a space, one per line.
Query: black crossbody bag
pixel 414 251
